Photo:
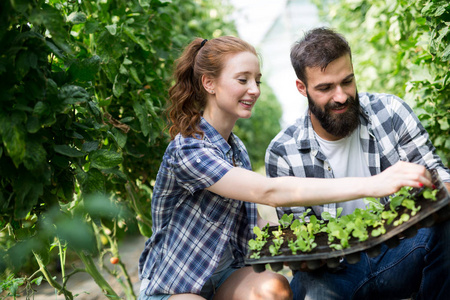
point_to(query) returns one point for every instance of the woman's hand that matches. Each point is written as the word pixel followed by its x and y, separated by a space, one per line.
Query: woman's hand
pixel 401 174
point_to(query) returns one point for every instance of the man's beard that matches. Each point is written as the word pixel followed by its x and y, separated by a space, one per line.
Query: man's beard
pixel 338 125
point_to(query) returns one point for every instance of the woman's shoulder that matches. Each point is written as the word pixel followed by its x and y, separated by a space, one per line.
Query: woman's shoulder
pixel 182 145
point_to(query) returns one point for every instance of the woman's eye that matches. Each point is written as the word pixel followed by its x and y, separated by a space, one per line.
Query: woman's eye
pixel 242 80
pixel 258 82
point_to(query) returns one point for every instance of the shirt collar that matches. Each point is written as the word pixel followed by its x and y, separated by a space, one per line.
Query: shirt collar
pixel 214 137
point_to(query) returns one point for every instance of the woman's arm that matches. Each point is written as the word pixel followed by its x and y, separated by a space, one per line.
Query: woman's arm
pixel 249 186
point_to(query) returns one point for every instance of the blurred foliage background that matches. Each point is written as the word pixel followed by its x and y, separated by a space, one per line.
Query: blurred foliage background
pixel 401 47
pixel 82 129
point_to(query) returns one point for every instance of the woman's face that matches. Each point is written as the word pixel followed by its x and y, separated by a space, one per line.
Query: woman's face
pixel 236 89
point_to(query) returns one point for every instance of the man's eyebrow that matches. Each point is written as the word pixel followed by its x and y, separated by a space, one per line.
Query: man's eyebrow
pixel 349 76
pixel 325 84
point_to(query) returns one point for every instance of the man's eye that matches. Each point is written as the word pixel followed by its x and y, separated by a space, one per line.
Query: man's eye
pixel 347 82
pixel 324 88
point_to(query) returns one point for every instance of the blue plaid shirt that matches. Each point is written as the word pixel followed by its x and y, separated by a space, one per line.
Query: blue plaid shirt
pixel 390 132
pixel 191 226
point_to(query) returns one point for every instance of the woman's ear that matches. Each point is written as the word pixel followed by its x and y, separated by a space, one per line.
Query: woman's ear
pixel 208 84
pixel 301 87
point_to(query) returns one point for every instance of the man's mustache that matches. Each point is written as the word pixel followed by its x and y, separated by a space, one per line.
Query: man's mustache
pixel 337 105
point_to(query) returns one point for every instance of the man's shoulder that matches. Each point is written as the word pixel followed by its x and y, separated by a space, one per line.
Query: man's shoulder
pixel 376 101
pixel 289 135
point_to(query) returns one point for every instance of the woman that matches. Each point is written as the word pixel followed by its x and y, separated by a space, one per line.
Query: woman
pixel 204 199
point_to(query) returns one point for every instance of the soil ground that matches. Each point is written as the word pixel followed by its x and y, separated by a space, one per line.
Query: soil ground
pixel 83 286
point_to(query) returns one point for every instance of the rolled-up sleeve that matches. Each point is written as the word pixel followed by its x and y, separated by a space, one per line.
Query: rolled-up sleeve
pixel 197 166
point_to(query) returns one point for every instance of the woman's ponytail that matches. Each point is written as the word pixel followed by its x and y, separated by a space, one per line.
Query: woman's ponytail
pixel 186 96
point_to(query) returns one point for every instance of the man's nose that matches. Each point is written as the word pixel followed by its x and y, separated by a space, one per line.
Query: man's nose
pixel 340 96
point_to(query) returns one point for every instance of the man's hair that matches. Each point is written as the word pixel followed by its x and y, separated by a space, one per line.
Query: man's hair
pixel 318 48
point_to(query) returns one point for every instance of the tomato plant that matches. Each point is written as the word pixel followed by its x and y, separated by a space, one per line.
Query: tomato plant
pixel 114 260
pixel 82 128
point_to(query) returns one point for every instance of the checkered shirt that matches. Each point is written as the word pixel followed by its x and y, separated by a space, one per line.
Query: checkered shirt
pixel 192 226
pixel 390 132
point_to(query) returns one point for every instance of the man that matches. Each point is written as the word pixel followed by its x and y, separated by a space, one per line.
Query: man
pixel 349 134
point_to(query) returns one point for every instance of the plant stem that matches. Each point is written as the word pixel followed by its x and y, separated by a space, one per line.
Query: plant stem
pixel 62 259
pixel 50 279
pixel 130 189
pixel 128 279
pixel 97 276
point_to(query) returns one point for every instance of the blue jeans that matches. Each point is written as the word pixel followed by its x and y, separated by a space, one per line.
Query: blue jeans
pixel 208 290
pixel 419 267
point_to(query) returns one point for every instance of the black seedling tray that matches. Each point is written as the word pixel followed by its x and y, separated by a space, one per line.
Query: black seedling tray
pixel 431 212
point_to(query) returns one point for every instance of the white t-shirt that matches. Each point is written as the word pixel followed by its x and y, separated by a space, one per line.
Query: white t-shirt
pixel 347 159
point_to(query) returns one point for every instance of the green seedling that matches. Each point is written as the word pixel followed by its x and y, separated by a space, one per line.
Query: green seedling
pixel 261 239
pixel 430 194
pixel 286 220
pixel 275 248
pixel 403 218
pixel 378 231
pixel 411 204
pixel 341 229
pixel 261 234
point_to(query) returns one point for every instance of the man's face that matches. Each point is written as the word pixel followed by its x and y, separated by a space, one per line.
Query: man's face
pixel 339 124
pixel 333 99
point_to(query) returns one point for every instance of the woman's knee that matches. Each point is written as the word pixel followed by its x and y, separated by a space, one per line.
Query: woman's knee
pixel 274 287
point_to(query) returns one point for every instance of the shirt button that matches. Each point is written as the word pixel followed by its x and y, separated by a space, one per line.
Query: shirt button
pixel 198 160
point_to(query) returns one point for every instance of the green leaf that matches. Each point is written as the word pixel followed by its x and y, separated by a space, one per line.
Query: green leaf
pixel 91 26
pixel 112 29
pixel 396 202
pixel 13 136
pixel 99 205
pixel 73 94
pixel 40 108
pixel 33 124
pixel 444 124
pixel 68 151
pixel 85 70
pixel 92 181
pixel 28 191
pixel 118 87
pixel 446 53
pixel 90 146
pixel 135 75
pixel 52 19
pixel 76 18
pixel 119 137
pixel 35 156
pixel 130 33
pixel 78 234
pixel 104 159
pixel 142 115
pixel 37 281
